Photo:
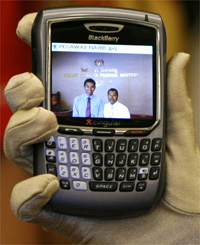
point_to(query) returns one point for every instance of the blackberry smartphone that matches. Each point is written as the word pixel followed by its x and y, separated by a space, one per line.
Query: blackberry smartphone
pixel 103 70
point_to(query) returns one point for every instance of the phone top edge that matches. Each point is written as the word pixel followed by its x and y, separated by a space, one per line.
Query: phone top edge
pixel 98 10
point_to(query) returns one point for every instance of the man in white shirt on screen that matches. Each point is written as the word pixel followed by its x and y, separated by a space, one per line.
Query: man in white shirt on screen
pixel 115 109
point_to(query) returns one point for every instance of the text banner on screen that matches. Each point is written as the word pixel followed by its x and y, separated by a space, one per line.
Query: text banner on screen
pixel 102 48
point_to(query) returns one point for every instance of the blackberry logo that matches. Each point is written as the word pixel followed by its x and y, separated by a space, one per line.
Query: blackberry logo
pixel 105 38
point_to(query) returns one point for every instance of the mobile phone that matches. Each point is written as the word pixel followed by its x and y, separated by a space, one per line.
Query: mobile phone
pixel 103 69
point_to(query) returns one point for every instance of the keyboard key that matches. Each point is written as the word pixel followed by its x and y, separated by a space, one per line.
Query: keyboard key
pixel 132 159
pixel 156 158
pixel 97 145
pixel 133 145
pixel 62 157
pixel 61 143
pixel 64 184
pixel 97 159
pixel 74 172
pixel 50 143
pixel 97 173
pixel 85 159
pixel 51 169
pixel 144 159
pixel 141 186
pixel 120 174
pixel 109 174
pixel 109 145
pixel 103 186
pixel 154 173
pixel 74 144
pixel 63 171
pixel 143 173
pixel 79 185
pixel 109 159
pixel 50 156
pixel 121 145
pixel 156 145
pixel 121 160
pixel 126 186
pixel 144 145
pixel 85 144
pixel 86 173
pixel 132 174
pixel 74 158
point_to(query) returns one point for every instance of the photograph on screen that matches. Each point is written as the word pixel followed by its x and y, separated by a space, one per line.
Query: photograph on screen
pixel 102 81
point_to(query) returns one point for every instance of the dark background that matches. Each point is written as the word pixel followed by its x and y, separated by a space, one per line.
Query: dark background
pixel 181 19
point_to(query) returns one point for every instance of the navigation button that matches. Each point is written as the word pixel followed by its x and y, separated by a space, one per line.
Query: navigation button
pixel 64 130
pixel 136 132
pixel 103 132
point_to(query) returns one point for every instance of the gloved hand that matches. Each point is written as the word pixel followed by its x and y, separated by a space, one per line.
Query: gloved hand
pixel 174 220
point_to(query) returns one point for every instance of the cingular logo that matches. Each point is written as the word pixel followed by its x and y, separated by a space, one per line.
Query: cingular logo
pixel 103 123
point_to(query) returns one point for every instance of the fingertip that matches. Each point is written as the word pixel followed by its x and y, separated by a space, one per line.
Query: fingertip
pixel 178 61
pixel 176 80
pixel 24 91
pixel 24 27
pixel 30 196
pixel 17 80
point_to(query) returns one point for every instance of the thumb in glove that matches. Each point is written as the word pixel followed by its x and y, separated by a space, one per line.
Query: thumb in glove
pixel 182 152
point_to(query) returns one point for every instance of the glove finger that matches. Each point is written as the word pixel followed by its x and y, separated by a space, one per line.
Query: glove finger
pixel 182 154
pixel 24 91
pixel 25 128
pixel 24 27
pixel 31 195
pixel 29 198
pixel 179 104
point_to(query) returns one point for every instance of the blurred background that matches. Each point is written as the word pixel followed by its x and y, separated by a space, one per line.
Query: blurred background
pixel 181 20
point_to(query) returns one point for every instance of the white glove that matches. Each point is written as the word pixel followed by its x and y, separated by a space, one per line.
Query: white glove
pixel 174 220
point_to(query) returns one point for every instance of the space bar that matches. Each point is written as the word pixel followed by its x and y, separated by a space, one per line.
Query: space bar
pixel 103 186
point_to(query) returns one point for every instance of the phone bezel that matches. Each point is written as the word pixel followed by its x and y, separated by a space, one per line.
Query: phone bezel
pixel 118 130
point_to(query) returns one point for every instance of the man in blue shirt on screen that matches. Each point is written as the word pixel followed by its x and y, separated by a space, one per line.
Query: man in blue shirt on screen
pixel 87 104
